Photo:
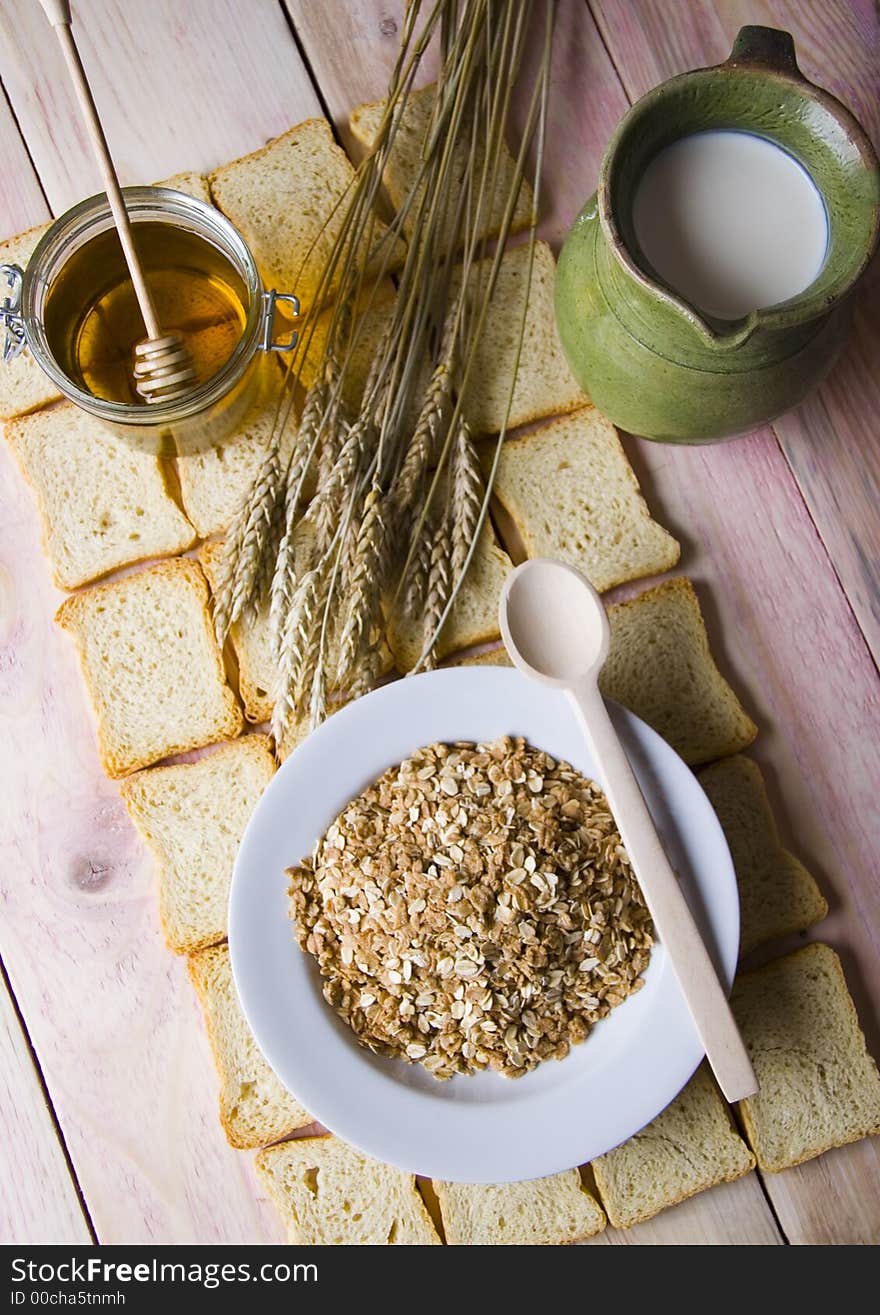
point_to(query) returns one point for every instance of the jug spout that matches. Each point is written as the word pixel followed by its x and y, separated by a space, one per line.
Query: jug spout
pixel 727 335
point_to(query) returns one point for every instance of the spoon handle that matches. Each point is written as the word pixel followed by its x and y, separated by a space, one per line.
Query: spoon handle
pixel 673 920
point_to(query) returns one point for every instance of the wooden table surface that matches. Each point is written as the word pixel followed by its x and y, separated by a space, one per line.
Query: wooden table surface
pixel 108 1124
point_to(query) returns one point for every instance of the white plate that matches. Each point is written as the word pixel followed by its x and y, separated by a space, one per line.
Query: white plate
pixel 484 1128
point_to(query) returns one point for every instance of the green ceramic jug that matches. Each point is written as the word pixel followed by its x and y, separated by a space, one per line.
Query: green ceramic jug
pixel 649 360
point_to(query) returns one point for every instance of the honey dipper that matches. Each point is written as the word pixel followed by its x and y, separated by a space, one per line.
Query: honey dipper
pixel 163 367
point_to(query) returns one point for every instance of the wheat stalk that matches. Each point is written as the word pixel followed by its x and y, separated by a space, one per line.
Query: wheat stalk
pixel 399 506
pixel 424 447
pixel 415 581
pixel 536 117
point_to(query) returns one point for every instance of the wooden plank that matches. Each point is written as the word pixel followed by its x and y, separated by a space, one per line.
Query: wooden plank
pixel 38 1198
pixel 179 87
pixel 832 442
pixel 776 610
pixel 800 662
pixel 822 1203
pixel 22 203
pixel 351 49
pixel 110 1012
pixel 348 53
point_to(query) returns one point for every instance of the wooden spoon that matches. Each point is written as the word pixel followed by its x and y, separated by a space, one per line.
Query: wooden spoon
pixel 556 632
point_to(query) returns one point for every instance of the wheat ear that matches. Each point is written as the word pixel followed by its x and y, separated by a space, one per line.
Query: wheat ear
pixel 284 577
pixel 467 496
pixel 364 586
pixel 246 544
pixel 438 588
pixel 415 583
pixel 424 446
pixel 301 623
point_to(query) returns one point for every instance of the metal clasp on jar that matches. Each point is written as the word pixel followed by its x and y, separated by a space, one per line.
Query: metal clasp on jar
pixel 269 301
pixel 14 340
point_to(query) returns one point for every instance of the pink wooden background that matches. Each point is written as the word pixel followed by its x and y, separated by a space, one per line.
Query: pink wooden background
pixel 108 1125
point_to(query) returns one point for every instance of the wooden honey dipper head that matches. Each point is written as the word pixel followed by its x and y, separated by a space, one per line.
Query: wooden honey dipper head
pixel 163 368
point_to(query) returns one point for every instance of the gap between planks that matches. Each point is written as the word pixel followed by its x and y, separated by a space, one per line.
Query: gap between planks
pixel 7 109
pixel 307 65
pixel 40 1197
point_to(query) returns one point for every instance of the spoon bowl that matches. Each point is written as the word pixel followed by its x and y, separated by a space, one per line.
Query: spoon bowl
pixel 553 623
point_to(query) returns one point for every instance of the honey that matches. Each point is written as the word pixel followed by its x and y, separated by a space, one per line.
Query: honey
pixel 92 320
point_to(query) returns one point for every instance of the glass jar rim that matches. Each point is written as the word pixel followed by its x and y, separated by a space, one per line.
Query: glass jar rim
pixel 92 216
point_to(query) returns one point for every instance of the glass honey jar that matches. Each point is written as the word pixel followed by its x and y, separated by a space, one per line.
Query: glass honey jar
pixel 74 308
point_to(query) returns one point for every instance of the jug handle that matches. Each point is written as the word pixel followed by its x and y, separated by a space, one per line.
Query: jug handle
pixel 765 47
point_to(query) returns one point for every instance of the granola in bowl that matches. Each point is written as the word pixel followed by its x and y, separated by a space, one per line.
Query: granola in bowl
pixel 473 909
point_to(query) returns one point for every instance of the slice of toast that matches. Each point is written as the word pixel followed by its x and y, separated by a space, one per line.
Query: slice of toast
pixel 691 1146
pixel 777 894
pixel 487 657
pixel 328 1193
pixel 544 1211
pixel 570 493
pixel 288 200
pixel 405 159
pixel 255 1109
pixel 660 667
pixel 818 1086
pixel 375 308
pixel 103 502
pixel 23 385
pixel 544 384
pixel 192 184
pixel 192 816
pixel 215 482
pixel 151 665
